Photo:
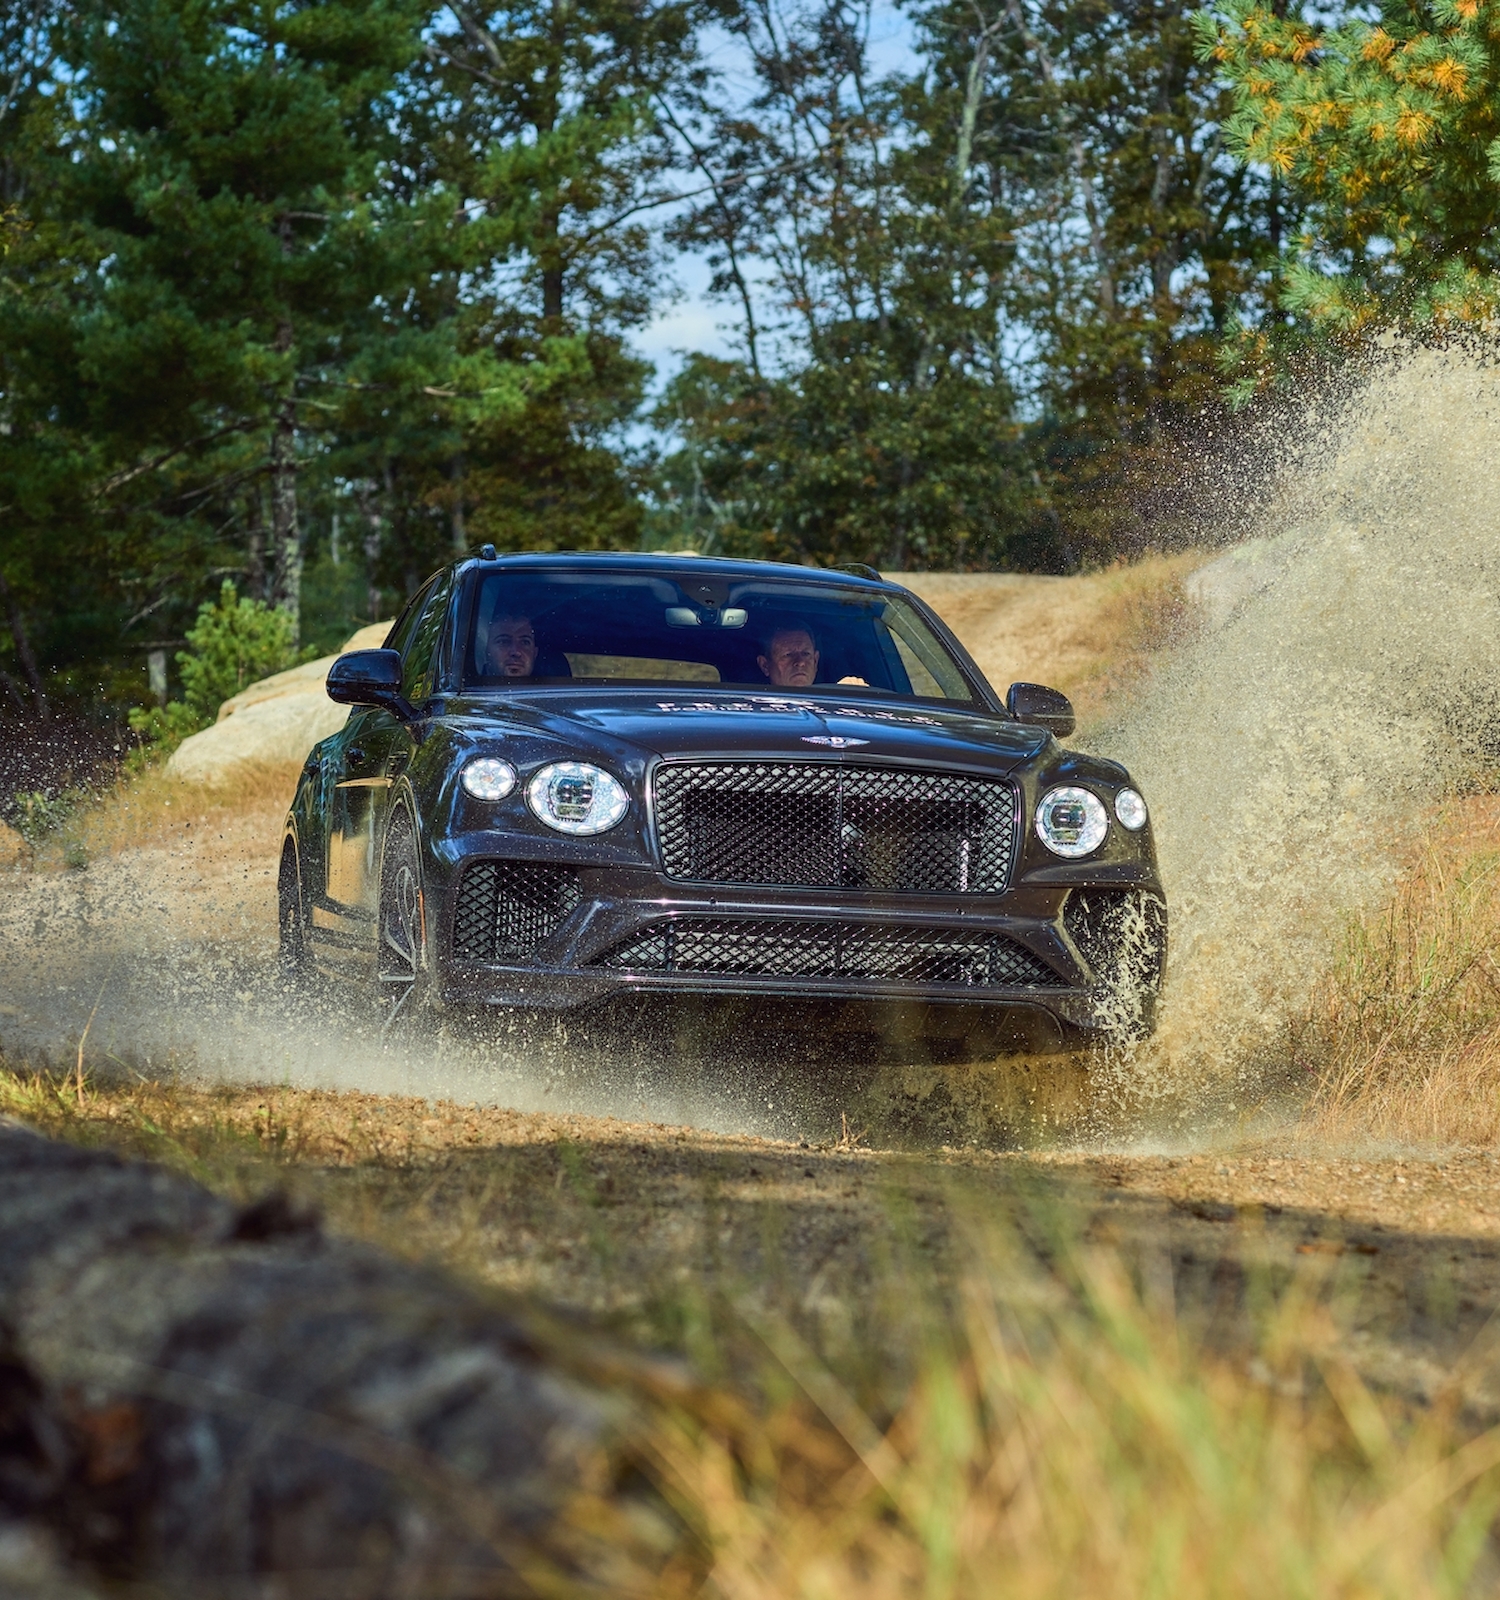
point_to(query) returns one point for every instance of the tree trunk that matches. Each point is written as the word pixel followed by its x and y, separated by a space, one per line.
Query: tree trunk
pixel 286 535
pixel 374 525
pixel 456 514
pixel 24 653
pixel 199 1399
pixel 255 544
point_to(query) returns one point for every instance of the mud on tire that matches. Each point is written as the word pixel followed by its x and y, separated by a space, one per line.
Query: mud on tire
pixel 293 954
pixel 403 972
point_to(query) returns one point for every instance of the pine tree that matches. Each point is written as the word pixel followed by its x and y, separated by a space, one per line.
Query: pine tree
pixel 1389 132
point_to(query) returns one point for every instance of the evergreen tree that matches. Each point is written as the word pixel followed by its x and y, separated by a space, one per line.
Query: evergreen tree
pixel 891 434
pixel 537 121
pixel 224 173
pixel 1389 132
pixel 1002 279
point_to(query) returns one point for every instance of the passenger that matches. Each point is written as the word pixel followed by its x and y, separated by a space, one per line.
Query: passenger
pixel 790 659
pixel 510 648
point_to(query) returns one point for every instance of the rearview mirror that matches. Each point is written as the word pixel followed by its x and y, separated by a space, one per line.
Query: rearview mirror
pixel 368 678
pixel 1043 707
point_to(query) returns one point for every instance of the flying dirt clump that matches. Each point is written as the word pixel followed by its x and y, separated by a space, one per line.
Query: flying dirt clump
pixel 1287 751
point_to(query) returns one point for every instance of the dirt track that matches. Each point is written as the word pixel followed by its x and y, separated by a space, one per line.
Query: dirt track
pixel 608 1214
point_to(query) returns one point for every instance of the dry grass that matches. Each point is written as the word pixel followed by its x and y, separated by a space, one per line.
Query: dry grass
pixel 1058 1428
pixel 1065 1439
pixel 1092 636
pixel 1403 1038
pixel 152 810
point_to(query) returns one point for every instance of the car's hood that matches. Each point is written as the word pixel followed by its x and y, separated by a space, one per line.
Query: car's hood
pixel 689 723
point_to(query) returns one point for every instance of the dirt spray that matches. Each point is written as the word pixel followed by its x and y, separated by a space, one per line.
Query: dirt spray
pixel 1346 674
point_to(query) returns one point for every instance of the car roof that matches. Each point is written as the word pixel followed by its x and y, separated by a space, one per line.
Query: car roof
pixel 680 563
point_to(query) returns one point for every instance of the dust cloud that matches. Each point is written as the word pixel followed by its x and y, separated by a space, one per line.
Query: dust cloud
pixel 1345 678
pixel 1342 678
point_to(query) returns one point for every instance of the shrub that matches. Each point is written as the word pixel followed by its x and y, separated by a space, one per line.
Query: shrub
pixel 234 642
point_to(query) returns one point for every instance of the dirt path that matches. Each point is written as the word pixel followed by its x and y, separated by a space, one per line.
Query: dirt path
pixel 167 947
pixel 633 1222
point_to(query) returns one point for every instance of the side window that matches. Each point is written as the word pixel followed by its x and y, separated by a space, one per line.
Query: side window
pixel 933 673
pixel 420 655
pixel 401 630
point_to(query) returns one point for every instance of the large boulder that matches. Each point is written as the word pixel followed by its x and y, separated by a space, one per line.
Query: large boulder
pixel 273 722
pixel 199 1399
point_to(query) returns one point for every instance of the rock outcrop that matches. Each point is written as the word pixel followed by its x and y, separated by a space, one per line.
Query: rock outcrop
pixel 198 1398
pixel 273 722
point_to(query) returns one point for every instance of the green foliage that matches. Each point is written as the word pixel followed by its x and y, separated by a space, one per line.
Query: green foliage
pixel 997 282
pixel 36 815
pixel 1389 132
pixel 235 642
pixel 380 262
pixel 842 463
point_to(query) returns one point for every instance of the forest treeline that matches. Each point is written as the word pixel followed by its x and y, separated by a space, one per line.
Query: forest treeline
pixel 307 294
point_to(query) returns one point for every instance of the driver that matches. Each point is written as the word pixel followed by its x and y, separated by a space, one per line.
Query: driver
pixel 790 658
pixel 510 647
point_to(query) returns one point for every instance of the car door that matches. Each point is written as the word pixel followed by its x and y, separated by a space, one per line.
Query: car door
pixel 373 751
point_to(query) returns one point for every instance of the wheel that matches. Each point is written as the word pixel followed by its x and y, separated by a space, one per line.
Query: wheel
pixel 401 959
pixel 294 957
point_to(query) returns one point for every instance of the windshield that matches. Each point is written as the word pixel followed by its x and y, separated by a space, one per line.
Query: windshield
pixel 651 628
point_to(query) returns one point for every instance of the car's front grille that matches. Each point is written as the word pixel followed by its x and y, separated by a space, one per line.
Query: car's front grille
pixel 506 908
pixel 791 947
pixel 807 824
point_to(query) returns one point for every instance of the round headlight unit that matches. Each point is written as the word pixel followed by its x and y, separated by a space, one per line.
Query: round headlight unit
pixel 577 798
pixel 1131 810
pixel 488 778
pixel 1071 822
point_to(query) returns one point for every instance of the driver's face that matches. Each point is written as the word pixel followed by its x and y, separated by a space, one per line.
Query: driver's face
pixel 791 659
pixel 512 646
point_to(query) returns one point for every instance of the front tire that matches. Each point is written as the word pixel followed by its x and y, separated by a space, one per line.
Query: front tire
pixel 1123 936
pixel 401 963
pixel 293 950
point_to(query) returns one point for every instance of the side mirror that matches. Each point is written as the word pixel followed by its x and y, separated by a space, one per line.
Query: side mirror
pixel 1046 708
pixel 369 678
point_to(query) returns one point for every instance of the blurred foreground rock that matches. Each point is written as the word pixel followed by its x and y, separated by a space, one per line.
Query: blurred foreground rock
pixel 201 1400
pixel 276 720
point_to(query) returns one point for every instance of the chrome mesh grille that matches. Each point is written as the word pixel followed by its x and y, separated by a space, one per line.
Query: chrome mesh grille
pixel 789 947
pixel 505 909
pixel 805 824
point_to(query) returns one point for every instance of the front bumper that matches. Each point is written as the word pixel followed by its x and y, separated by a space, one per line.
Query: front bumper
pixel 586 960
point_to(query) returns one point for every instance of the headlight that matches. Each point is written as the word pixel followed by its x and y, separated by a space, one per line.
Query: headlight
pixel 1071 822
pixel 574 797
pixel 488 778
pixel 1131 810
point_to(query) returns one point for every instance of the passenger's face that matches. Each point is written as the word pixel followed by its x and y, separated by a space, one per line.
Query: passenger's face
pixel 512 646
pixel 791 659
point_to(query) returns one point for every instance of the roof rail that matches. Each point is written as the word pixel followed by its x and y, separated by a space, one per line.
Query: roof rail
pixel 859 569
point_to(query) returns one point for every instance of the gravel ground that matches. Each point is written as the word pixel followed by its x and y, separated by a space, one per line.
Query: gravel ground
pixel 633 1221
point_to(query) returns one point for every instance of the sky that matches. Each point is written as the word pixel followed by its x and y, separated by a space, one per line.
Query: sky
pixel 694 320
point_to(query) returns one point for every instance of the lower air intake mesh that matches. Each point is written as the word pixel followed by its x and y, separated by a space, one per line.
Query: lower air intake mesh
pixel 505 909
pixel 750 947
